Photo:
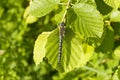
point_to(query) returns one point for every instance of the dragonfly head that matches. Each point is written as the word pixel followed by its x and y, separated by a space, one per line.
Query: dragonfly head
pixel 62 24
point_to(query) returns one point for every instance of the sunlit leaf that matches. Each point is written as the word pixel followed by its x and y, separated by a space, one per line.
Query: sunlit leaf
pixel 115 75
pixel 119 72
pixel 40 8
pixel 26 12
pixel 113 3
pixel 52 48
pixel 39 47
pixel 87 20
pixel 117 52
pixel 91 2
pixel 29 18
pixel 115 16
pixel 74 54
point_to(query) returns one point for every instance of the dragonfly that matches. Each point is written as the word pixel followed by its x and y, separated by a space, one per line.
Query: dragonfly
pixel 61 35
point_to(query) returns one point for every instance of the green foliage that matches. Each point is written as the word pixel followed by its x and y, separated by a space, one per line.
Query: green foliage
pixel 88 20
pixel 74 52
pixel 83 21
pixel 115 16
pixel 91 43
pixel 39 49
pixel 108 41
pixel 85 27
pixel 42 7
pixel 113 3
pixel 118 72
pixel 16 44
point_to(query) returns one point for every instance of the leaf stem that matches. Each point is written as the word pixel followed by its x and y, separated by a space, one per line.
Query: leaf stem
pixel 63 19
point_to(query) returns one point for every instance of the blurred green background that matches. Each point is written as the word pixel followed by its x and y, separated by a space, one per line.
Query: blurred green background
pixel 17 42
pixel 17 39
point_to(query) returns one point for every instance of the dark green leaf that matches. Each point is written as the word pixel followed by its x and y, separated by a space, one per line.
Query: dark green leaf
pixel 102 7
pixel 108 41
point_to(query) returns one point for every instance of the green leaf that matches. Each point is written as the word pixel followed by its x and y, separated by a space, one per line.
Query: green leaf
pixel 74 54
pixel 116 75
pixel 116 27
pixel 108 41
pixel 115 16
pixel 119 72
pixel 39 47
pixel 117 52
pixel 88 20
pixel 113 3
pixel 40 8
pixel 1 11
pixel 60 10
pixel 29 18
pixel 103 8
pixel 91 2
pixel 52 47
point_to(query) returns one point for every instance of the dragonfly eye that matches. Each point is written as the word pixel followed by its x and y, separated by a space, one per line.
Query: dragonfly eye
pixel 62 24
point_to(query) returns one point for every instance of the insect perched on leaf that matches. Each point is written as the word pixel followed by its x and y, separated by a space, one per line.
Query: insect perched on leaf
pixel 61 35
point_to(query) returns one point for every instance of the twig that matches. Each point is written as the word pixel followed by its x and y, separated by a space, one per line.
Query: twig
pixel 63 19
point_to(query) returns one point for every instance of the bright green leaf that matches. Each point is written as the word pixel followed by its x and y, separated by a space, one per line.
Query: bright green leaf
pixel 115 16
pixel 39 47
pixel 113 3
pixel 117 52
pixel 74 54
pixel 115 75
pixel 26 12
pixel 91 2
pixel 88 20
pixel 119 72
pixel 40 8
pixel 29 18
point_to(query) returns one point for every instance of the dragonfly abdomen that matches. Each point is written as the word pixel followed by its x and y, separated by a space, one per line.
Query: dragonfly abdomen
pixel 61 34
